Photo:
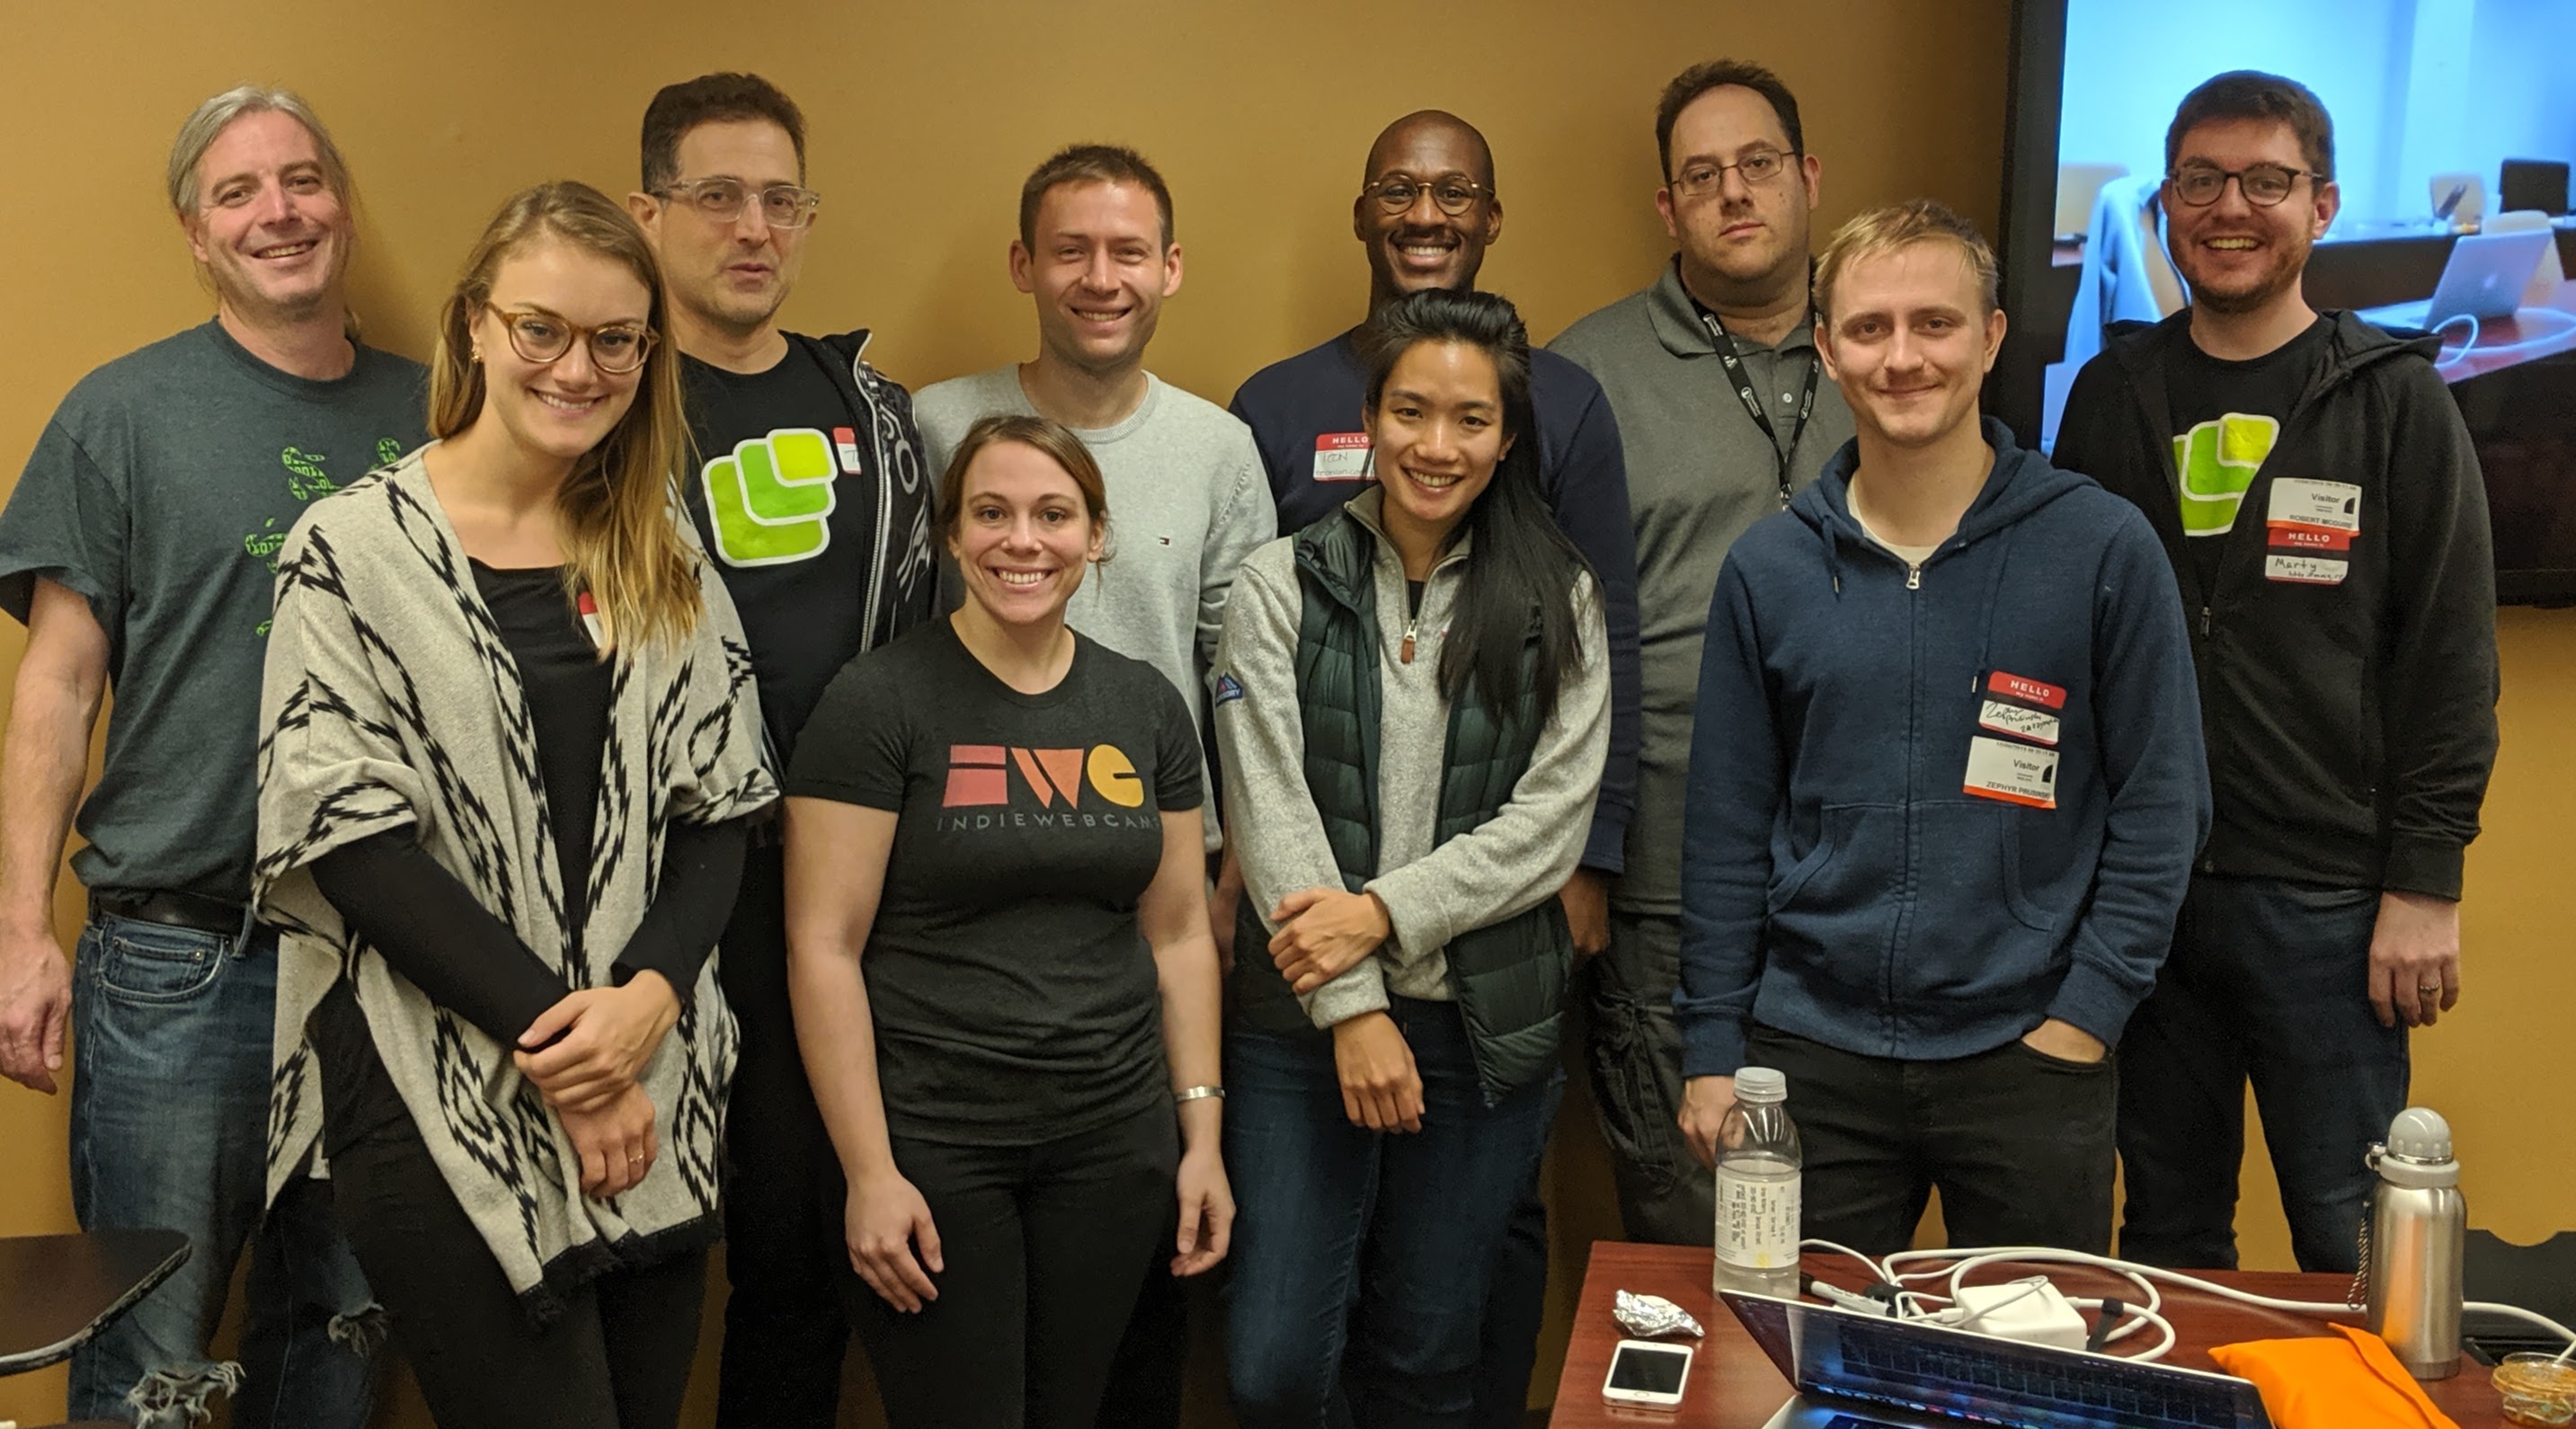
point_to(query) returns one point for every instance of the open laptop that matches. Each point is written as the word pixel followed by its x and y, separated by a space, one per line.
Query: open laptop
pixel 1855 1371
pixel 2484 279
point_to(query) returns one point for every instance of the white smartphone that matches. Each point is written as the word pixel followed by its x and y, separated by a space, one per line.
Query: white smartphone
pixel 1643 1372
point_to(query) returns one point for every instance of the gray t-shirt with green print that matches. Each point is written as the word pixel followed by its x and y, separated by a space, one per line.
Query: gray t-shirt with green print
pixel 160 492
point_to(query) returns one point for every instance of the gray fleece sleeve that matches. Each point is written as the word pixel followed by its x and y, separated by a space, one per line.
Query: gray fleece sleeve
pixel 1242 521
pixel 1521 856
pixel 1276 832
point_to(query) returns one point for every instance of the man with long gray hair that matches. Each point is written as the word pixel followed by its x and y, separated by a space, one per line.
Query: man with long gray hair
pixel 139 548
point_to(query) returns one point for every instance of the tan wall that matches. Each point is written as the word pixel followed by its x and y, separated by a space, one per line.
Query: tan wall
pixel 924 119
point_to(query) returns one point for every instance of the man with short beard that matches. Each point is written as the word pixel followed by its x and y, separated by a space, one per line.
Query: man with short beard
pixel 139 548
pixel 813 496
pixel 2317 494
pixel 1723 413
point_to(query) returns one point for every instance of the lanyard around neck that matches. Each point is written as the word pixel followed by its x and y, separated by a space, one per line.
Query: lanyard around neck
pixel 1752 401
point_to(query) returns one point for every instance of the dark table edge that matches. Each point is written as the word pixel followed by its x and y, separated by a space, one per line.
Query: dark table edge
pixel 43 1356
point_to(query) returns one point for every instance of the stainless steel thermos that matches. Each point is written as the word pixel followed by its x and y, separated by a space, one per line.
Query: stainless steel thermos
pixel 2417 1229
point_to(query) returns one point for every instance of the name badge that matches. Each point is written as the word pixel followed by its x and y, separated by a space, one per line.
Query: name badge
pixel 1342 456
pixel 2020 706
pixel 2316 505
pixel 2013 773
pixel 2305 570
pixel 845 441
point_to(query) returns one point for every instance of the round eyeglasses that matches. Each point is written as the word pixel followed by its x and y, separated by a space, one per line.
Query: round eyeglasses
pixel 1454 193
pixel 541 337
pixel 2264 185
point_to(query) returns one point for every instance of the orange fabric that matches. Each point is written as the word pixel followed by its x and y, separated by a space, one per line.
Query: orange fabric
pixel 2321 1383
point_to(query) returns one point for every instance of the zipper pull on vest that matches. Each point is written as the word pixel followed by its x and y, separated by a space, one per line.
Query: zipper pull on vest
pixel 1404 653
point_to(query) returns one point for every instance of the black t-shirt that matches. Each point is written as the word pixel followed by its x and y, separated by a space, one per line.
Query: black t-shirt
pixel 568 688
pixel 785 501
pixel 1014 996
pixel 2226 417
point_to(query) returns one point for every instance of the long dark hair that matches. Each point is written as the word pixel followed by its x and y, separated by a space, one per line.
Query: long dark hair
pixel 1520 577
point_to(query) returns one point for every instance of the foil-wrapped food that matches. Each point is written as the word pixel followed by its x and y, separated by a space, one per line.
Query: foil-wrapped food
pixel 1651 1317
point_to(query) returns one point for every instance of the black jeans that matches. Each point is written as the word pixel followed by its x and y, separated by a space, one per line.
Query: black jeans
pixel 1633 1050
pixel 2268 982
pixel 1044 1247
pixel 2019 1142
pixel 784 1330
pixel 617 1359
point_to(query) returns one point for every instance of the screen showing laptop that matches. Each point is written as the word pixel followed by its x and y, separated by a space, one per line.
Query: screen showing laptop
pixel 1930 1369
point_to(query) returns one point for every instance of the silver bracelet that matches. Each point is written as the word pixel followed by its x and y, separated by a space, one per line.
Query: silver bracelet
pixel 1191 1094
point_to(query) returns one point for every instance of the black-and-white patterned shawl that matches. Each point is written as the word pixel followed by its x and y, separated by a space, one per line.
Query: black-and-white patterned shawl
pixel 390 700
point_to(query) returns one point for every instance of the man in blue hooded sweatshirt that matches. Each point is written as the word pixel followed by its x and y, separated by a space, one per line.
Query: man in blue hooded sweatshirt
pixel 1946 782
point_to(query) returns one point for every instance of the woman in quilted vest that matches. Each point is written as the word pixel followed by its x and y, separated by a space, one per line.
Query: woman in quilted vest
pixel 1412 700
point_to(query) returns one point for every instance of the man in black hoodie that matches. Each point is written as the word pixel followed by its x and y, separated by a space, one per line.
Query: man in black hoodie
pixel 2317 493
pixel 813 496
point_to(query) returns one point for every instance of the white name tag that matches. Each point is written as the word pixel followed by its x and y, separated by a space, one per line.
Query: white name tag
pixel 2328 505
pixel 1342 456
pixel 2014 773
pixel 2306 570
pixel 2037 725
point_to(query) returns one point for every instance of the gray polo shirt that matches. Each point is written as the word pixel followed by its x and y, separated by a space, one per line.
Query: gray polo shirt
pixel 1699 473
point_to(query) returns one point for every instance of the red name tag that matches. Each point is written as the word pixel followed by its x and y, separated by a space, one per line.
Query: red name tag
pixel 2025 690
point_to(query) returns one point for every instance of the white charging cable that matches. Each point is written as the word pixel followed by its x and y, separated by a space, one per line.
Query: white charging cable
pixel 1955 1266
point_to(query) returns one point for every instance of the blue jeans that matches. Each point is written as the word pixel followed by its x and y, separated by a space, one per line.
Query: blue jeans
pixel 1362 1261
pixel 170 1040
pixel 2268 982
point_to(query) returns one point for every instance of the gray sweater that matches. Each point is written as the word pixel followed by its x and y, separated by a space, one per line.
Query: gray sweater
pixel 1188 500
pixel 1511 863
pixel 1699 473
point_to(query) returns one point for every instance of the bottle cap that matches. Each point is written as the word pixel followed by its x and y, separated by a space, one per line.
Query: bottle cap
pixel 1760 1084
pixel 2418 1151
pixel 2420 1134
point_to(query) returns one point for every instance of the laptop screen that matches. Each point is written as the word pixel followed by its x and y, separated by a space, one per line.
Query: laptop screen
pixel 1931 1369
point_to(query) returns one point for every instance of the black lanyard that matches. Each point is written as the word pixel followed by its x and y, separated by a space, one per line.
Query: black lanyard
pixel 1753 403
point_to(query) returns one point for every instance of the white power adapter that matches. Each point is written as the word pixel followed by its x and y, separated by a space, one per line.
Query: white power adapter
pixel 2030 1310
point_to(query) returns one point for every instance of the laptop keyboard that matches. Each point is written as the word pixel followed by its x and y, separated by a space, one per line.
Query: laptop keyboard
pixel 2105 1391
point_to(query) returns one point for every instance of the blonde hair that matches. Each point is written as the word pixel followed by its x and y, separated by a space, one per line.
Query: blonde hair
pixel 1902 225
pixel 616 509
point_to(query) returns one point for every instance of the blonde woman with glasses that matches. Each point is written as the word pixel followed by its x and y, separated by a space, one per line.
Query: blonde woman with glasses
pixel 511 739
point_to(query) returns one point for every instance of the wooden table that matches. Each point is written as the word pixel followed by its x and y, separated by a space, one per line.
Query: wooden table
pixel 58 1290
pixel 1734 1386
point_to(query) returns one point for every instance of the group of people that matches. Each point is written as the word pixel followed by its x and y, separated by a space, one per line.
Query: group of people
pixel 995 854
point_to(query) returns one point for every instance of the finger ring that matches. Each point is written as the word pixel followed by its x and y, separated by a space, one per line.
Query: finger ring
pixel 2428 988
pixel 634 1160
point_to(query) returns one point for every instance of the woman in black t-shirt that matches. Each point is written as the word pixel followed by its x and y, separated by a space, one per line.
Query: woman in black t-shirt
pixel 999 956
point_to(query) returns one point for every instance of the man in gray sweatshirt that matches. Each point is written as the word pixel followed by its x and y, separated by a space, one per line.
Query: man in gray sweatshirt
pixel 1724 414
pixel 1187 496
pixel 1187 502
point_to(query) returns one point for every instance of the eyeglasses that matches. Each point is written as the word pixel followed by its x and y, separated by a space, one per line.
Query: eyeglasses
pixel 721 201
pixel 1454 194
pixel 540 337
pixel 1760 166
pixel 2262 184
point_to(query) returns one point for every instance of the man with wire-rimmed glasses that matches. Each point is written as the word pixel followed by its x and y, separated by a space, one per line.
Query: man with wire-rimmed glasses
pixel 2322 506
pixel 1723 412
pixel 1426 211
pixel 812 493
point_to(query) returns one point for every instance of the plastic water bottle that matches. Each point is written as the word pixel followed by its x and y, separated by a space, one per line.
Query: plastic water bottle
pixel 1757 1188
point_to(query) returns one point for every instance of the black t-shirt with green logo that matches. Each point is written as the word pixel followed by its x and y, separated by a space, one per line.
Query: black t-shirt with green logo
pixel 2226 417
pixel 785 498
pixel 160 492
pixel 1013 994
